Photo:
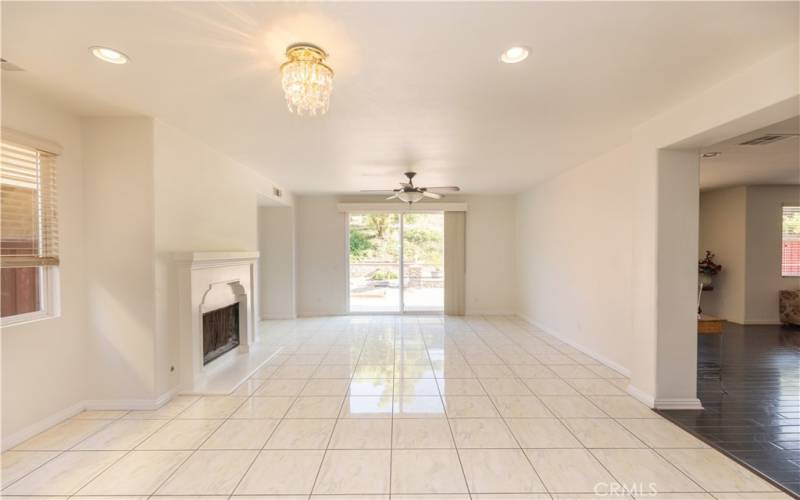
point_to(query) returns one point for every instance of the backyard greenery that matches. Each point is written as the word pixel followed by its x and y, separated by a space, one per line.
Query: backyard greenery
pixel 374 238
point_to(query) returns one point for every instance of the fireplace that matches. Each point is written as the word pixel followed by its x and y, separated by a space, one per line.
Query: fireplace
pixel 220 332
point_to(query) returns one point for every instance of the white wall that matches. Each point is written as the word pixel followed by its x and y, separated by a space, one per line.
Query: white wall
pixel 131 191
pixel 762 94
pixel 764 278
pixel 322 254
pixel 574 244
pixel 491 277
pixel 120 242
pixel 276 244
pixel 204 201
pixel 44 362
pixel 722 231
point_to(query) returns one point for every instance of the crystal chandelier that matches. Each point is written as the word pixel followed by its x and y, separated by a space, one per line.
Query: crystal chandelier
pixel 307 81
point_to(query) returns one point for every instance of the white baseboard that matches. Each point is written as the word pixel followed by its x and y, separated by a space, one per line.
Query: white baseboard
pixel 678 404
pixel 761 322
pixel 599 357
pixel 91 404
pixel 42 425
pixel 664 403
pixel 130 404
pixel 316 314
pixel 641 395
pixel 489 312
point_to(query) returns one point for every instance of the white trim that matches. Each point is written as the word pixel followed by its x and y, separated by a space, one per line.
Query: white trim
pixel 210 257
pixel 598 357
pixel 678 404
pixel 491 312
pixel 31 141
pixel 49 298
pixel 401 207
pixel 761 322
pixel 642 396
pixel 69 412
pixel 317 314
pixel 35 428
pixel 347 262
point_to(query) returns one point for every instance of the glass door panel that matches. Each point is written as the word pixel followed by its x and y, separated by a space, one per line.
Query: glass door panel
pixel 423 262
pixel 375 262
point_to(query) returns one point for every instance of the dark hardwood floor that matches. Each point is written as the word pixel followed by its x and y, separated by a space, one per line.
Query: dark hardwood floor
pixel 758 421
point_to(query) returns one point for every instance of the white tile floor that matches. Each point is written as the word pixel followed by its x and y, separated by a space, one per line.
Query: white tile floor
pixel 404 407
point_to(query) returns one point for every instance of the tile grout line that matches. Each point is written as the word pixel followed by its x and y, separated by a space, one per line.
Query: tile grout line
pixel 58 453
pixel 488 340
pixel 330 438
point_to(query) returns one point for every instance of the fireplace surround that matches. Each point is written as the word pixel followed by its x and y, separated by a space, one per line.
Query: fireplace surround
pixel 209 282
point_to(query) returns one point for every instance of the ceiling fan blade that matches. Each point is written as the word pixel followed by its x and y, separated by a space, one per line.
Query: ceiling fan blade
pixel 377 191
pixel 435 196
pixel 392 197
pixel 443 188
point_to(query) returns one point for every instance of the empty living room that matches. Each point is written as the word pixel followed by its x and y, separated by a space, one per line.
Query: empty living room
pixel 400 250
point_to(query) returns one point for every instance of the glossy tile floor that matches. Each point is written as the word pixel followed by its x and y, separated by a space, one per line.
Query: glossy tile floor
pixel 758 420
pixel 412 407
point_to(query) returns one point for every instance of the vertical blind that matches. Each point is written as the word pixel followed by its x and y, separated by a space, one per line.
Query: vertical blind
pixel 790 251
pixel 28 217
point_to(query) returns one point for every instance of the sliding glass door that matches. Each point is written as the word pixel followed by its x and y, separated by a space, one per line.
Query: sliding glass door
pixel 423 262
pixel 375 262
pixel 396 262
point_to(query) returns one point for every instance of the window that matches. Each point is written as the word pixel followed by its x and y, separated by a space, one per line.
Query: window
pixel 28 231
pixel 790 254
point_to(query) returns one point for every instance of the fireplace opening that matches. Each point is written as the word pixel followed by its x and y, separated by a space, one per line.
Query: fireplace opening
pixel 220 332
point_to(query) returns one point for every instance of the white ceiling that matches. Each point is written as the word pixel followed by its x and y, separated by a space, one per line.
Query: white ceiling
pixel 418 85
pixel 737 165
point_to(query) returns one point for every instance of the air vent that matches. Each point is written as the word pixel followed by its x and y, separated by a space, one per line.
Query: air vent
pixel 9 66
pixel 277 193
pixel 765 139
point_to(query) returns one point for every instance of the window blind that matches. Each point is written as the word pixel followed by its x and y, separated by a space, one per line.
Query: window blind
pixel 28 216
pixel 790 251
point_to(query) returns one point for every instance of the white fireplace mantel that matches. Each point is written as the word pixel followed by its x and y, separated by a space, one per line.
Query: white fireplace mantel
pixel 201 258
pixel 208 280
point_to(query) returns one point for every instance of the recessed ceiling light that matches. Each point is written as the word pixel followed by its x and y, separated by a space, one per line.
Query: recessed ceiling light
pixel 515 54
pixel 710 154
pixel 109 55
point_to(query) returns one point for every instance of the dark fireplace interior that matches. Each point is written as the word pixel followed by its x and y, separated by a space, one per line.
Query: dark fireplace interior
pixel 220 332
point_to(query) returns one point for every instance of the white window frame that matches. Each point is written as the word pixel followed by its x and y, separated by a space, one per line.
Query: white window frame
pixel 49 282
pixel 49 300
pixel 783 206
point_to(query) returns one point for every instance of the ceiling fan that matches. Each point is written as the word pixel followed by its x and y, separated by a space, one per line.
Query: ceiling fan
pixel 409 193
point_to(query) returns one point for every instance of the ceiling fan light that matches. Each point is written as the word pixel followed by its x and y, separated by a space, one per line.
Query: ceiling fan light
pixel 410 196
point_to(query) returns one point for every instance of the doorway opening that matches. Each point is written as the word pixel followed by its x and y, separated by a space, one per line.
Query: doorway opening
pixel 396 262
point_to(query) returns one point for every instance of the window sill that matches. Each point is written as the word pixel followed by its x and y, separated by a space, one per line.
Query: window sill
pixel 24 319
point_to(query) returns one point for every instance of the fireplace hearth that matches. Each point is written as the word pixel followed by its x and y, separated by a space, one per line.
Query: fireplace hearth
pixel 220 332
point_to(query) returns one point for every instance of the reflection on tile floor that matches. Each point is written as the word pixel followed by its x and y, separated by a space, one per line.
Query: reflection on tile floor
pixel 406 407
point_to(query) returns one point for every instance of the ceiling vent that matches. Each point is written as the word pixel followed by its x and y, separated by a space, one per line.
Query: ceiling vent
pixel 9 66
pixel 765 139
pixel 277 193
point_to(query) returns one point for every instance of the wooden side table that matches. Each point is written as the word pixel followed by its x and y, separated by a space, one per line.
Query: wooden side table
pixel 711 325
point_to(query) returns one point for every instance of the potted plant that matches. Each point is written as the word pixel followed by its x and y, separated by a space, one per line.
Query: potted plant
pixel 707 269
